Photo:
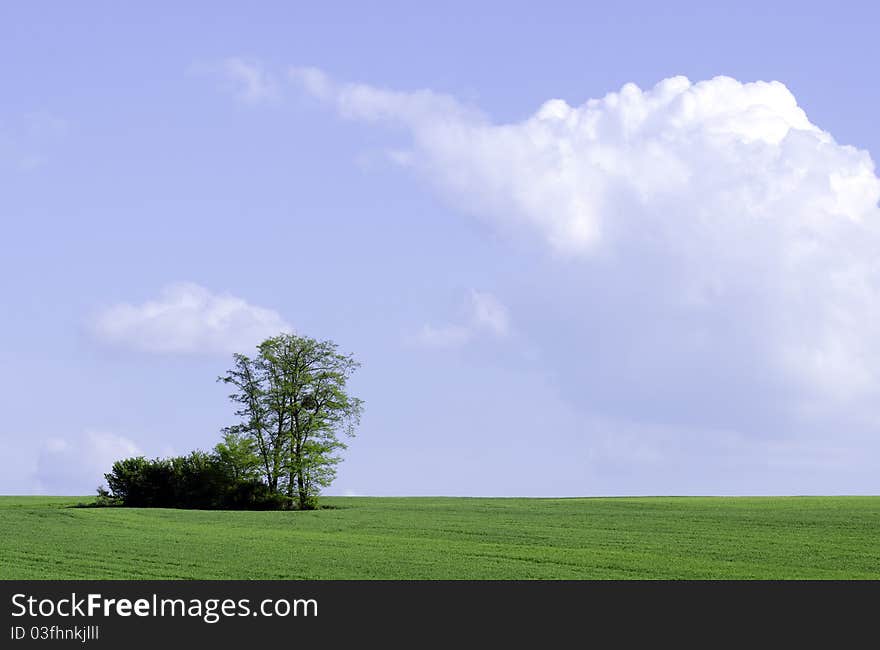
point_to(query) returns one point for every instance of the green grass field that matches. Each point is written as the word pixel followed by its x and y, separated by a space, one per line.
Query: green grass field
pixel 385 538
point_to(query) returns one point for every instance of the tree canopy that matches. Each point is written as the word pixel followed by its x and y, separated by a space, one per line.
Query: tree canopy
pixel 293 408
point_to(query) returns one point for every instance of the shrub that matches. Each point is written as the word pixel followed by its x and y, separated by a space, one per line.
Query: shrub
pixel 198 481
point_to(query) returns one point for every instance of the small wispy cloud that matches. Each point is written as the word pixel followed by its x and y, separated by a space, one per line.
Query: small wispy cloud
pixel 488 313
pixel 445 336
pixel 45 124
pixel 250 81
pixel 247 80
pixel 188 319
pixel 26 140
pixel 31 162
pixel 77 465
pixel 485 315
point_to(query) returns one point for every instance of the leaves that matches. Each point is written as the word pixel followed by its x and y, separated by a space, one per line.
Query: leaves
pixel 294 405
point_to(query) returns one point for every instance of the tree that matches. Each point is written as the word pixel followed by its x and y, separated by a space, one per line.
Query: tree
pixel 238 456
pixel 261 424
pixel 293 404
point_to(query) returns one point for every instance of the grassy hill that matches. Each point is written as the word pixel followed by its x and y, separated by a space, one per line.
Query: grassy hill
pixel 384 538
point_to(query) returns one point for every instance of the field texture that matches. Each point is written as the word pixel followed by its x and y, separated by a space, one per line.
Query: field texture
pixel 385 538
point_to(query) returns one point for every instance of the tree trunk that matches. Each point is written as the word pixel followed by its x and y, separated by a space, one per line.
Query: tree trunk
pixel 303 495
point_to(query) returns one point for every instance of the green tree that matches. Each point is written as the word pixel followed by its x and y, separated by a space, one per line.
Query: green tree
pixel 237 454
pixel 294 406
pixel 260 423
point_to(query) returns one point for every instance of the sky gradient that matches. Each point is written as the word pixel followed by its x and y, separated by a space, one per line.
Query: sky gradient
pixel 579 249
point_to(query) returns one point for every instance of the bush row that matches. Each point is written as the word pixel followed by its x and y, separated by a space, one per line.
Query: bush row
pixel 199 480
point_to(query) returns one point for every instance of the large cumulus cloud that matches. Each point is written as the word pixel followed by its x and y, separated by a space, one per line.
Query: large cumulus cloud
pixel 724 247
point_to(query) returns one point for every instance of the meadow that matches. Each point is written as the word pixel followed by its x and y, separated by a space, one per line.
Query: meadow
pixel 453 538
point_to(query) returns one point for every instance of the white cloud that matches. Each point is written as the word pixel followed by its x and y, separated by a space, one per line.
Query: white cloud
pixel 78 466
pixel 249 81
pixel 563 170
pixel 717 224
pixel 189 319
pixel 30 162
pixel 485 314
pixel 445 336
pixel 27 140
pixel 488 313
pixel 45 124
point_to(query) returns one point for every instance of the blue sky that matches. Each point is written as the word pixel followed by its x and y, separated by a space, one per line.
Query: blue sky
pixel 669 290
